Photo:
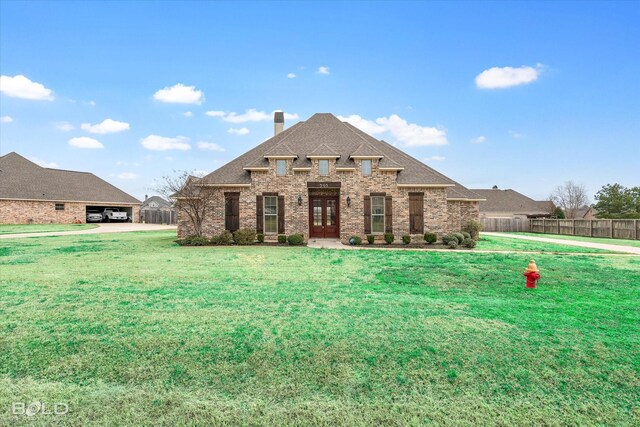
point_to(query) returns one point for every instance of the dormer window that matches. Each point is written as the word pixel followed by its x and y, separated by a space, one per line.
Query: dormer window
pixel 366 167
pixel 323 167
pixel 281 167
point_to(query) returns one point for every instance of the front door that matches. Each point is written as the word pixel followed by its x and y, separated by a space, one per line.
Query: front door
pixel 324 218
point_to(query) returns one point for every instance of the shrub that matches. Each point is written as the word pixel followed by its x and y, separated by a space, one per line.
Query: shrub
pixel 244 236
pixel 225 238
pixel 448 238
pixel 355 240
pixel 371 238
pixel 389 238
pixel 469 243
pixel 294 239
pixel 406 239
pixel 465 234
pixel 453 244
pixel 282 238
pixel 193 241
pixel 474 228
pixel 458 236
pixel 430 238
pixel 260 238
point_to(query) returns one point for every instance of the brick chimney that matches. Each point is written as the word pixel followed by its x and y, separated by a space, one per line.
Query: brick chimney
pixel 278 122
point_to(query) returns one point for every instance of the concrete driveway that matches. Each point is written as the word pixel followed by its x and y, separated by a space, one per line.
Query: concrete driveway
pixel 121 227
pixel 617 248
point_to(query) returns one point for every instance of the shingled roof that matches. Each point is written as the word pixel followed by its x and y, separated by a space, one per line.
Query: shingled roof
pixel 21 179
pixel 324 130
pixel 511 201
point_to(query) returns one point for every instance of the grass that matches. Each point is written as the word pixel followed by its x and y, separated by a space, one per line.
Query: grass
pixel 129 329
pixel 620 242
pixel 42 228
pixel 495 243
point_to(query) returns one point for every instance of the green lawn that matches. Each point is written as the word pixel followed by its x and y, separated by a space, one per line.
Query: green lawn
pixel 41 228
pixel 495 243
pixel 130 329
pixel 621 242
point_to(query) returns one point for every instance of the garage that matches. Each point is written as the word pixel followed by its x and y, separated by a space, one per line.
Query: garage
pixel 95 213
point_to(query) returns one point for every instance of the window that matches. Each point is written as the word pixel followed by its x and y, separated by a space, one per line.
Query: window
pixel 323 167
pixel 281 167
pixel 377 214
pixel 59 206
pixel 366 167
pixel 270 214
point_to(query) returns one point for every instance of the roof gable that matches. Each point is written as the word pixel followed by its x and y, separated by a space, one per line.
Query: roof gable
pixel 511 201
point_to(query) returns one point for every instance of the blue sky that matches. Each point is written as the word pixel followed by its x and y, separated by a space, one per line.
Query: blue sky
pixel 520 95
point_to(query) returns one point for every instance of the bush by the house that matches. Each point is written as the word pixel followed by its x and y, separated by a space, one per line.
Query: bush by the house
pixel 295 239
pixel 371 238
pixel 474 228
pixel 355 240
pixel 453 244
pixel 406 239
pixel 469 243
pixel 193 241
pixel 225 238
pixel 459 236
pixel 430 238
pixel 260 238
pixel 448 238
pixel 282 238
pixel 389 238
pixel 465 234
pixel 244 236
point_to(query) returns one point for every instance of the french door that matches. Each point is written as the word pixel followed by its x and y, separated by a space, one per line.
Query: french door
pixel 324 217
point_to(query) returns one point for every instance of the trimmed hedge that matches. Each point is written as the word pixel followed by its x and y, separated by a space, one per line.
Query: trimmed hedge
pixel 406 239
pixel 193 241
pixel 260 238
pixel 282 238
pixel 355 240
pixel 371 238
pixel 389 238
pixel 244 236
pixel 430 238
pixel 294 239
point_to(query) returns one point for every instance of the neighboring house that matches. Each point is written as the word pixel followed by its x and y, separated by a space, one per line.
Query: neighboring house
pixel 156 210
pixel 32 194
pixel 511 204
pixel 587 212
pixel 325 178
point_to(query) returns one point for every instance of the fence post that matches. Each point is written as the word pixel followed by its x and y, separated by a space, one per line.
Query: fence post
pixel 544 225
pixel 573 227
pixel 557 226
pixel 590 228
pixel 611 228
pixel 635 229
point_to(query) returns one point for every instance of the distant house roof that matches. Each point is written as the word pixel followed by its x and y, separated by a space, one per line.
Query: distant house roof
pixel 324 134
pixel 21 179
pixel 157 200
pixel 511 201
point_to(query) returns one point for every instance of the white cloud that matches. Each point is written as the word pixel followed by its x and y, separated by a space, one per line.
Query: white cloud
pixel 187 114
pixel 479 140
pixel 127 175
pixel 180 94
pixel 368 126
pixel 64 126
pixel 516 135
pixel 250 115
pixel 6 119
pixel 107 126
pixel 291 76
pixel 241 131
pixel 323 70
pixel 411 134
pixel 85 142
pixel 435 159
pixel 21 87
pixel 162 143
pixel 209 146
pixel 43 163
pixel 504 77
pixel 92 103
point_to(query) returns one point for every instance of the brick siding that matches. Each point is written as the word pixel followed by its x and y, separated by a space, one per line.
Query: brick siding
pixel 44 212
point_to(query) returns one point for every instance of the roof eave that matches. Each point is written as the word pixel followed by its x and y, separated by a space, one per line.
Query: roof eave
pixel 427 185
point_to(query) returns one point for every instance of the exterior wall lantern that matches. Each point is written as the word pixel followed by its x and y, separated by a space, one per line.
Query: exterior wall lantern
pixel 299 200
pixel 348 200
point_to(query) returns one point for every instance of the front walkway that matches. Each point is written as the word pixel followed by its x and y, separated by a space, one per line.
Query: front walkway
pixel 114 227
pixel 615 248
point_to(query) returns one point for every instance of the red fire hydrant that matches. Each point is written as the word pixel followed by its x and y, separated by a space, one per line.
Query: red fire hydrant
pixel 532 274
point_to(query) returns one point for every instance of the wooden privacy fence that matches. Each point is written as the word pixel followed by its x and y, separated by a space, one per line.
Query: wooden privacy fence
pixel 157 217
pixel 611 228
pixel 505 224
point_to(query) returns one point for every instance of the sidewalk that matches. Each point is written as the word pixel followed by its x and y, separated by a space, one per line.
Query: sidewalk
pixel 102 228
pixel 616 248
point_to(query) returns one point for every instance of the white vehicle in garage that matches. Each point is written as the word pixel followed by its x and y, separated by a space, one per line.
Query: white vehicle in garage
pixel 94 216
pixel 114 214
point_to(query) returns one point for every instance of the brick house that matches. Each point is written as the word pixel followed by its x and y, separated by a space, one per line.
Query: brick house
pixel 32 194
pixel 325 178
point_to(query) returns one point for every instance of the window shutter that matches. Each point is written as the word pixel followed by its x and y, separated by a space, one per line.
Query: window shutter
pixel 232 211
pixel 280 214
pixel 259 216
pixel 416 213
pixel 388 215
pixel 367 215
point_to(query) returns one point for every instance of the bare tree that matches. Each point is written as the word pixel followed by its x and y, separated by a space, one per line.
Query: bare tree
pixel 570 197
pixel 185 191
